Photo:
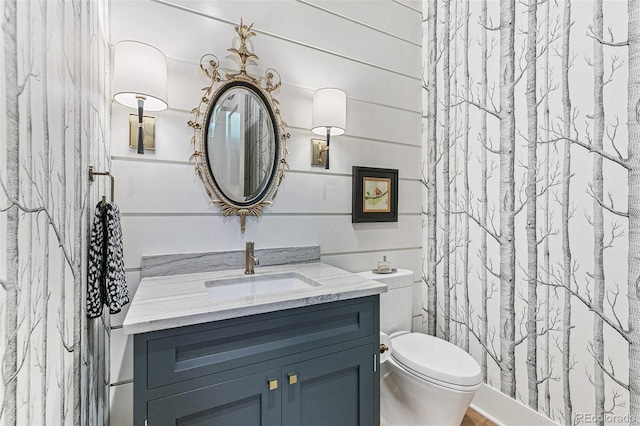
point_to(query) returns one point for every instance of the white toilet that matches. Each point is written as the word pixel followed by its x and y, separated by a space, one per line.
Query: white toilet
pixel 425 380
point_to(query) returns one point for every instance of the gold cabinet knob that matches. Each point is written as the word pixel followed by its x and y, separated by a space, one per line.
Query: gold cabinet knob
pixel 273 384
pixel 383 348
pixel 293 378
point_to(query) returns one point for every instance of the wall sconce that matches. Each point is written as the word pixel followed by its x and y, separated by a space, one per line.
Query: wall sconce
pixel 140 81
pixel 329 118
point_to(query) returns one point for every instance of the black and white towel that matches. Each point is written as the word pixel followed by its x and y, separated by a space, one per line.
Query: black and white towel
pixel 106 279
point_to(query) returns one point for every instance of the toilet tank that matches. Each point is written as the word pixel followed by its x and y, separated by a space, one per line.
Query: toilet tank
pixel 396 305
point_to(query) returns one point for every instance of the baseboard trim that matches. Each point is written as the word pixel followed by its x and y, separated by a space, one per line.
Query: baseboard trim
pixel 505 411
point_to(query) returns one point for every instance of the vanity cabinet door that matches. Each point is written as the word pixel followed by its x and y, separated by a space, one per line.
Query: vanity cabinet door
pixel 250 400
pixel 335 389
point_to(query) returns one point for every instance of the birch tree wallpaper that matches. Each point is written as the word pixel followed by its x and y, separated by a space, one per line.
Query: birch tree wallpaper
pixel 55 122
pixel 531 143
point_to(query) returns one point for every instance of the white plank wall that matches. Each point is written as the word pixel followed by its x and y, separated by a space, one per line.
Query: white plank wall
pixel 368 48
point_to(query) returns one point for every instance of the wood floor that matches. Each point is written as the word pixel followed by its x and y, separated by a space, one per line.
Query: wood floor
pixel 473 418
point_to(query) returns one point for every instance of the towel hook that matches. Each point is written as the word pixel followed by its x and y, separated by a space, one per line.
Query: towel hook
pixel 93 173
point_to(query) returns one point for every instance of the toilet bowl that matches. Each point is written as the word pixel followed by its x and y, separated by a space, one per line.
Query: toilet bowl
pixel 424 380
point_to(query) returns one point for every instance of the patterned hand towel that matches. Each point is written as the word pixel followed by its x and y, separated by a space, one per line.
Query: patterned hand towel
pixel 106 278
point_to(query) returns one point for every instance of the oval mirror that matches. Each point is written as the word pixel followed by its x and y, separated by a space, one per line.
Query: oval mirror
pixel 239 137
pixel 241 144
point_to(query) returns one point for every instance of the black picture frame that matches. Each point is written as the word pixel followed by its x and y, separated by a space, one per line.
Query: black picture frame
pixel 375 195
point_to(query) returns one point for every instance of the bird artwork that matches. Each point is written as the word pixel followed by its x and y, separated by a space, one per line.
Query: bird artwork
pixel 376 194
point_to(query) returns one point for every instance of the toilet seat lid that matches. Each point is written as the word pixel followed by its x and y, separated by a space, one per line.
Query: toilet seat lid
pixel 435 358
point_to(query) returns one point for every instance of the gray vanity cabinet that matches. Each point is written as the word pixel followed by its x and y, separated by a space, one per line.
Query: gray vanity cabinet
pixel 315 365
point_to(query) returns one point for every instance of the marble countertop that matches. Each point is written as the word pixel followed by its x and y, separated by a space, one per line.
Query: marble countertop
pixel 179 300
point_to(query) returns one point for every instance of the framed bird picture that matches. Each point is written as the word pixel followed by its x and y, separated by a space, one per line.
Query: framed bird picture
pixel 375 195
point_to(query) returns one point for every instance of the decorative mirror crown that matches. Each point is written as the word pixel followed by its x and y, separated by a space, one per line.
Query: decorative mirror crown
pixel 243 53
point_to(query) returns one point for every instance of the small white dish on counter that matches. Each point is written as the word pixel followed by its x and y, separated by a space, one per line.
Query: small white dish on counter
pixel 179 300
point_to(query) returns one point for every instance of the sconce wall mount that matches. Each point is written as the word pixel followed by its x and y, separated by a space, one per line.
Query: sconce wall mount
pixel 148 130
pixel 318 152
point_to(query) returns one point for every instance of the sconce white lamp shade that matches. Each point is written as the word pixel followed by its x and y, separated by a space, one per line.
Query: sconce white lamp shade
pixel 329 112
pixel 139 70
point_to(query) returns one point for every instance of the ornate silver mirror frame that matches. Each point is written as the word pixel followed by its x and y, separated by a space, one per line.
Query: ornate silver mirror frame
pixel 262 90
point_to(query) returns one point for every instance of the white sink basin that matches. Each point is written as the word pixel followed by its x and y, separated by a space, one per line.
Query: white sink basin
pixel 251 286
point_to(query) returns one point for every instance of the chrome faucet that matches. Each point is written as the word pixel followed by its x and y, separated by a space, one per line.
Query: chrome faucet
pixel 249 259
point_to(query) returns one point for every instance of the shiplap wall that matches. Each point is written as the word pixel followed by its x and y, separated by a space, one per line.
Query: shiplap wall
pixel 369 49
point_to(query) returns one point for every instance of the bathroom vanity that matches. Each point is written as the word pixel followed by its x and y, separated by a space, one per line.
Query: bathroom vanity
pixel 291 345
pixel 295 344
